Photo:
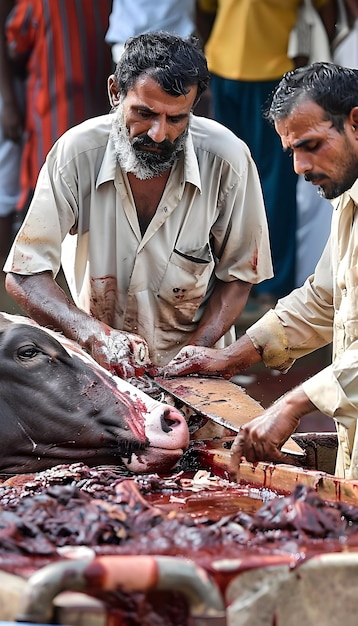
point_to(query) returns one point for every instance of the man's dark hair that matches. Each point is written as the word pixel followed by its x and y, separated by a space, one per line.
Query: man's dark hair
pixel 332 87
pixel 176 64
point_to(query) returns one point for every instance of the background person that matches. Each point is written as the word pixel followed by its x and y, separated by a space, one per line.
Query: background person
pixel 315 112
pixel 12 103
pixel 129 19
pixel 165 213
pixel 247 53
pixel 67 64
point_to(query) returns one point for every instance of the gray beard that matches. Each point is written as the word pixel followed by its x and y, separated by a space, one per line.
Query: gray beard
pixel 144 164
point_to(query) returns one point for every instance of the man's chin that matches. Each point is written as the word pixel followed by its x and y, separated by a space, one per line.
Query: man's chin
pixel 146 173
pixel 329 193
pixel 150 168
pixel 150 149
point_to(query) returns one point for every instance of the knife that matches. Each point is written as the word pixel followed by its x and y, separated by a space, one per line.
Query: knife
pixel 218 400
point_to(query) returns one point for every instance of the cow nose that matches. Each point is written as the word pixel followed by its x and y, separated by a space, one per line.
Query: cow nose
pixel 170 419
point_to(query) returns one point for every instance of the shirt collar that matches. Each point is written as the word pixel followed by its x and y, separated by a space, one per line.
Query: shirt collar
pixel 109 163
pixel 342 201
pixel 191 167
pixel 353 192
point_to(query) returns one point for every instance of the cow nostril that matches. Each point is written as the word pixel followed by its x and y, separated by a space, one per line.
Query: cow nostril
pixel 169 420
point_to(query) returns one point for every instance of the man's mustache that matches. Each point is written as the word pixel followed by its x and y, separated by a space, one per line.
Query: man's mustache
pixel 146 142
pixel 311 177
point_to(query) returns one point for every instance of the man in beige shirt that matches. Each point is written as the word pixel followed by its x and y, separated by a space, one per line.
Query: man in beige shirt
pixel 315 112
pixel 159 215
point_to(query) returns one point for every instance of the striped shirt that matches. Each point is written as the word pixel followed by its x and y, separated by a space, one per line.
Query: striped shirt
pixel 68 63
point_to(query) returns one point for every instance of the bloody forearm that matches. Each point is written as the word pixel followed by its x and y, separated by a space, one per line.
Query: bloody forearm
pixel 222 310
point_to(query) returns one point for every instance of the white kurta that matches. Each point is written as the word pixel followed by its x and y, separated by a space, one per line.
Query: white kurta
pixel 209 222
pixel 325 309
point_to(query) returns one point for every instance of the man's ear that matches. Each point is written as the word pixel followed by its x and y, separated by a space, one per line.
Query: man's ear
pixel 113 93
pixel 353 118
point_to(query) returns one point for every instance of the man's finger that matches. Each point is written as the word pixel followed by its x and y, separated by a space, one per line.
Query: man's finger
pixel 239 443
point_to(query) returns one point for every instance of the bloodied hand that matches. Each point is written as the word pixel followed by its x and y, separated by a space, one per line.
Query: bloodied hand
pixel 124 354
pixel 198 360
pixel 261 439
pixel 212 361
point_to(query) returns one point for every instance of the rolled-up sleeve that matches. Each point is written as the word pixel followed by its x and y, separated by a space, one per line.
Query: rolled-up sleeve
pixel 300 323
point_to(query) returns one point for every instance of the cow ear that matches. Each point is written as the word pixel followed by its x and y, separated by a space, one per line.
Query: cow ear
pixel 5 322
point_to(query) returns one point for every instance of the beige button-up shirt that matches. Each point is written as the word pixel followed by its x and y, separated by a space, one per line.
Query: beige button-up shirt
pixel 325 309
pixel 209 222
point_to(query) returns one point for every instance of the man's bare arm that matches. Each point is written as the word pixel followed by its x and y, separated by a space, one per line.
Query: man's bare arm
pixel 45 302
pixel 213 362
pixel 226 304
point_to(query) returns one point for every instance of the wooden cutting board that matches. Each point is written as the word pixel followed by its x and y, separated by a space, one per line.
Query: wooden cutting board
pixel 219 400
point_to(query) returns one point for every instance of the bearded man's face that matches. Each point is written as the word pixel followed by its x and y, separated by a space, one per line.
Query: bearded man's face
pixel 150 127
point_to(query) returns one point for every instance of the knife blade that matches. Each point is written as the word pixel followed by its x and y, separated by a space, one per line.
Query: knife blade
pixel 218 400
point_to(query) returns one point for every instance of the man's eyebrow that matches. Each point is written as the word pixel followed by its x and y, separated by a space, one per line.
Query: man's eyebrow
pixel 145 109
pixel 142 107
pixel 299 144
pixel 179 116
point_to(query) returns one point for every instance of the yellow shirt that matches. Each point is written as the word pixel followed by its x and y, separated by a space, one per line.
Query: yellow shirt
pixel 249 38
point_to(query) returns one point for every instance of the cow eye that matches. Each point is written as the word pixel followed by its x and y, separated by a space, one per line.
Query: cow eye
pixel 27 352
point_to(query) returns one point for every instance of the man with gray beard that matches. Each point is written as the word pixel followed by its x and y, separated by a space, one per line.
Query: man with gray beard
pixel 156 215
pixel 133 156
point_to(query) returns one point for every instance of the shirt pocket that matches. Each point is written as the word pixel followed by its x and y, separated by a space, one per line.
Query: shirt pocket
pixel 186 280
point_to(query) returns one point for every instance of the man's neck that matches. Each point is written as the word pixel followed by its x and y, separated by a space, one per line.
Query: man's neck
pixel 147 194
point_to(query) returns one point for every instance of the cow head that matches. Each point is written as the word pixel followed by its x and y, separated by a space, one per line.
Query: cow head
pixel 57 405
